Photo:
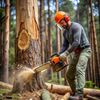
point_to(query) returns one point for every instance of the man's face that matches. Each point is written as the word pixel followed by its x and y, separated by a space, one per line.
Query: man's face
pixel 63 24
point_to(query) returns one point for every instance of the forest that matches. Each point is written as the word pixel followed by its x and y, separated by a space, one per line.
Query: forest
pixel 29 36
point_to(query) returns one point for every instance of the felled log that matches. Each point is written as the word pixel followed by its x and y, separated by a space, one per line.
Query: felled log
pixel 5 85
pixel 92 98
pixel 45 95
pixel 66 96
pixel 60 89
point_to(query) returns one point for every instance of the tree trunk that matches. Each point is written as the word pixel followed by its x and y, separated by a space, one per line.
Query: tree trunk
pixel 49 31
pixel 6 43
pixel 27 47
pixel 58 42
pixel 96 54
pixel 41 29
pixel 49 40
pixel 2 25
pixel 1 52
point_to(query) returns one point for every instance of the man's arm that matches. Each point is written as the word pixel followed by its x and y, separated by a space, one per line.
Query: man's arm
pixel 65 44
pixel 77 36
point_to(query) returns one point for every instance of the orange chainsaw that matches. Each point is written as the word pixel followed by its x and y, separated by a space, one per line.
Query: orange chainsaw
pixel 55 63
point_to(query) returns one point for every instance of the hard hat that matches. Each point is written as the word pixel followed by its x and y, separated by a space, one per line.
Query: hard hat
pixel 61 15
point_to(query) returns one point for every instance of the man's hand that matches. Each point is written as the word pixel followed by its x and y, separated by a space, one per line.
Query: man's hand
pixel 58 62
pixel 63 57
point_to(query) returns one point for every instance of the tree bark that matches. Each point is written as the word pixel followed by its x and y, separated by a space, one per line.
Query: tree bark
pixel 58 43
pixel 6 43
pixel 49 31
pixel 41 29
pixel 96 54
pixel 1 52
pixel 27 47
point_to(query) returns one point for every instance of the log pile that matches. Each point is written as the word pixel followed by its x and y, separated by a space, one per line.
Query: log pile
pixel 92 94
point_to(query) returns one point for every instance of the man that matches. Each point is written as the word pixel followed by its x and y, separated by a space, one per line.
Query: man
pixel 75 40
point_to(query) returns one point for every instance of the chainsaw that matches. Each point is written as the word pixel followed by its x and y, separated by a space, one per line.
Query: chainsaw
pixel 55 63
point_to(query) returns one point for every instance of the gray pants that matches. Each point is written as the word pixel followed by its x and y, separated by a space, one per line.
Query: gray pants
pixel 77 68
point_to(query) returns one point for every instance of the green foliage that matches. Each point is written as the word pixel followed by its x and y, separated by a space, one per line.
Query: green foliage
pixel 82 10
pixel 97 29
pixel 2 91
pixel 54 39
pixel 12 40
pixel 89 84
pixel 5 91
pixel 11 55
pixel 54 79
pixel 1 12
pixel 12 2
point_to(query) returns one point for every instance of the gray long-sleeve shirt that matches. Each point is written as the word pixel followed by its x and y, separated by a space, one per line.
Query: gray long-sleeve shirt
pixel 75 36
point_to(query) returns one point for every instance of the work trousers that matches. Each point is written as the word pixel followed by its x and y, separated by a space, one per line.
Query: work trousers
pixel 77 69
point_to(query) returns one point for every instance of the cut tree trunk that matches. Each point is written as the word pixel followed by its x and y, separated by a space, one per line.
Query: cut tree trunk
pixel 27 51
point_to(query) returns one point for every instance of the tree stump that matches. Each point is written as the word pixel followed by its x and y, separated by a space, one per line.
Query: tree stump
pixel 27 80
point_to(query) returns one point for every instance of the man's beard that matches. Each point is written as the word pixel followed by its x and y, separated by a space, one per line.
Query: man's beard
pixel 65 26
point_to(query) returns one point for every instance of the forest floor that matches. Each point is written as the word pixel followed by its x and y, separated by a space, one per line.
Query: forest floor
pixel 35 95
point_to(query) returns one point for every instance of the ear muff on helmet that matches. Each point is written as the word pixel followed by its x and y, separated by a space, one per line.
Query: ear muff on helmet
pixel 67 18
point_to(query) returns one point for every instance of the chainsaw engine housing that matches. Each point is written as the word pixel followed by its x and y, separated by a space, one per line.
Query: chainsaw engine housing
pixel 59 66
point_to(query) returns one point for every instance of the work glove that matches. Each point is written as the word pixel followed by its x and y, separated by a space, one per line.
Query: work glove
pixel 63 56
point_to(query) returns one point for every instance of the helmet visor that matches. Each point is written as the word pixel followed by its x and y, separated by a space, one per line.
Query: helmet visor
pixel 59 26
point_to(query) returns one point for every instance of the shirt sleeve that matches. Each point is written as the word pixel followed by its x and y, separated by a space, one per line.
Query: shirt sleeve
pixel 65 44
pixel 77 37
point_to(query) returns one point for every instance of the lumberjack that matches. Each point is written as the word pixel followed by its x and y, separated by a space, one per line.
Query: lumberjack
pixel 76 41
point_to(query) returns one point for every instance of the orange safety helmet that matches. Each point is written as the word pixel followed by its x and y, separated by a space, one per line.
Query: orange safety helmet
pixel 61 15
